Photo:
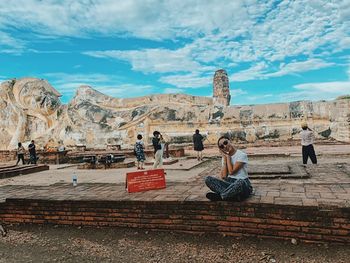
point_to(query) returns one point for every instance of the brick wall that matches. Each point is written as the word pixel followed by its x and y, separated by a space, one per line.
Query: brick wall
pixel 21 170
pixel 309 224
pixel 74 157
pixel 6 156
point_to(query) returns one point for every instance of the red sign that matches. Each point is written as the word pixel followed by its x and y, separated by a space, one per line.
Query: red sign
pixel 145 180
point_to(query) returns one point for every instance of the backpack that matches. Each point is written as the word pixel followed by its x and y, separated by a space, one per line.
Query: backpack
pixel 137 148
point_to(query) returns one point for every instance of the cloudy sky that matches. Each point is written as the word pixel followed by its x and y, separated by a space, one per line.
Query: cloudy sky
pixel 273 51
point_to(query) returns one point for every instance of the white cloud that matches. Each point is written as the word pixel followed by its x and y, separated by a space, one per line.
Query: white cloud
pixel 317 91
pixel 10 45
pixel 255 72
pixel 291 29
pixel 236 30
pixel 262 70
pixel 150 19
pixel 299 66
pixel 192 80
pixel 237 92
pixel 208 34
pixel 110 85
pixel 3 78
pixel 259 97
pixel 126 90
pixel 85 79
pixel 173 90
pixel 152 60
pixel 325 87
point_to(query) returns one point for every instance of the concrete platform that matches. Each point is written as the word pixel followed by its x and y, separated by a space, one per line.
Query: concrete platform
pixel 124 164
pixel 312 209
pixel 12 170
pixel 165 162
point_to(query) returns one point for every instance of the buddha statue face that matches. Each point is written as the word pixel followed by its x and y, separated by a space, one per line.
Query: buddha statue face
pixel 37 95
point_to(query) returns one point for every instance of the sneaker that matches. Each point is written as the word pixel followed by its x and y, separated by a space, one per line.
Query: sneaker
pixel 213 196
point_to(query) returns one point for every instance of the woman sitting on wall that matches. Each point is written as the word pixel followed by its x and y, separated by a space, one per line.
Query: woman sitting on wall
pixel 234 183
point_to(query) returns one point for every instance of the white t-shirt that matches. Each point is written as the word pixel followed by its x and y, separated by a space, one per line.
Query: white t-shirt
pixel 307 137
pixel 241 157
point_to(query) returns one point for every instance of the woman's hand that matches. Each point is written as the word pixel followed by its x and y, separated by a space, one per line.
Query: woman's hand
pixel 223 153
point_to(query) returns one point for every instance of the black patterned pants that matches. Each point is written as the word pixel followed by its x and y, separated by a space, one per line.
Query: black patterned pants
pixel 309 151
pixel 230 188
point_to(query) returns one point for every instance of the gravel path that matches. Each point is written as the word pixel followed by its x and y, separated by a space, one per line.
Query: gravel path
pixel 72 244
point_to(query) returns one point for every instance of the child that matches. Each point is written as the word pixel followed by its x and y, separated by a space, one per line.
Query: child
pixel 140 153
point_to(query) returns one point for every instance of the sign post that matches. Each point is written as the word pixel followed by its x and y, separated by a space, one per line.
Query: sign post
pixel 145 180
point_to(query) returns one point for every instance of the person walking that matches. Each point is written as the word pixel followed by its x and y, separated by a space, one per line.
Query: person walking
pixel 234 183
pixel 307 141
pixel 32 152
pixel 198 144
pixel 157 143
pixel 20 153
pixel 165 146
pixel 140 152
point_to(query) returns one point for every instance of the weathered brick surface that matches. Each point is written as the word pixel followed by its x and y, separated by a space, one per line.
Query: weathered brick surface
pixel 316 209
pixel 6 156
pixel 236 219
pixel 10 171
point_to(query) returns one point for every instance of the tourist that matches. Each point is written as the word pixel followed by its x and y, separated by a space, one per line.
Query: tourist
pixel 307 140
pixel 158 145
pixel 165 147
pixel 32 153
pixel 234 183
pixel 139 152
pixel 20 153
pixel 198 144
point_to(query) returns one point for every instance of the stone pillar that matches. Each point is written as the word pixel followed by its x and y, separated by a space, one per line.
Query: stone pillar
pixel 341 122
pixel 221 89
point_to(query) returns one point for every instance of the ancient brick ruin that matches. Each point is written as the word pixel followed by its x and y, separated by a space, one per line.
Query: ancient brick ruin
pixel 30 108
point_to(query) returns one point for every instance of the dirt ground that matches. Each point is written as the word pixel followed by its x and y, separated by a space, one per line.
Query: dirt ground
pixel 32 243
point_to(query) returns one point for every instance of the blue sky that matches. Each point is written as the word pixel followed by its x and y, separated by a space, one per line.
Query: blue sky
pixel 273 51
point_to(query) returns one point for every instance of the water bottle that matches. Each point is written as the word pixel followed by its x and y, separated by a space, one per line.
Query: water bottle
pixel 75 180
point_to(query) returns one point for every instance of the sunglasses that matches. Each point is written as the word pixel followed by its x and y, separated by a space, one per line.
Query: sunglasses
pixel 224 143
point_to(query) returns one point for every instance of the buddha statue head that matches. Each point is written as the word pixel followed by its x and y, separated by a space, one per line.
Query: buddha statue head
pixel 36 95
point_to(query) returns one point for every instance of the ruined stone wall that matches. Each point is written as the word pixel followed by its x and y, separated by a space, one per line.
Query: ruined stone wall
pixel 96 120
pixel 87 93
pixel 277 122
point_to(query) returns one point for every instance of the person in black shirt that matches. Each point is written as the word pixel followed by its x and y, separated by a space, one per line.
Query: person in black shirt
pixel 157 142
pixel 32 153
pixel 198 144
